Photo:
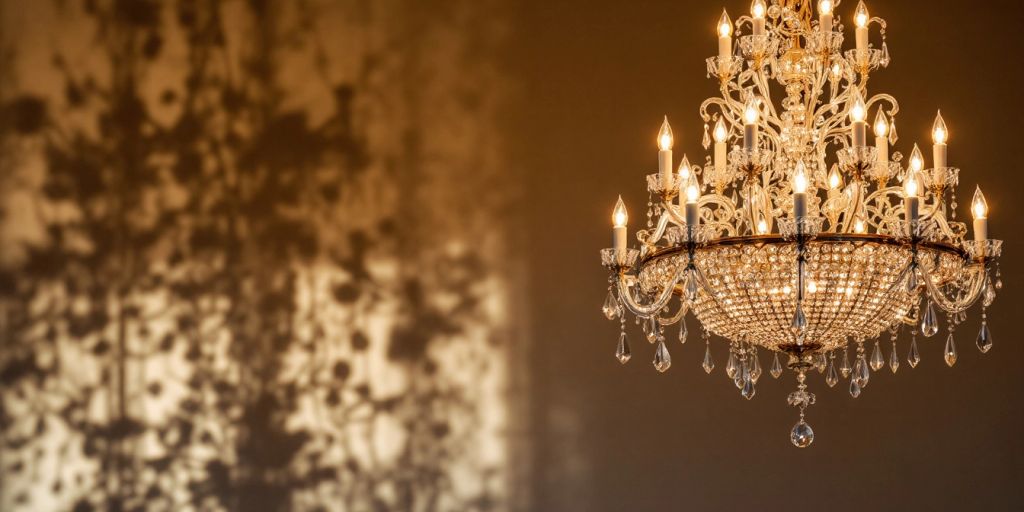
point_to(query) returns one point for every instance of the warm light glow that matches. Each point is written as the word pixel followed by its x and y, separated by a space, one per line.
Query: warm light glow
pixel 665 136
pixel 762 227
pixel 825 7
pixel 800 179
pixel 861 17
pixel 837 70
pixel 720 132
pixel 750 112
pixel 757 9
pixel 693 190
pixel 858 112
pixel 911 186
pixel 979 207
pixel 684 170
pixel 724 25
pixel 812 287
pixel 619 215
pixel 859 226
pixel 916 159
pixel 939 132
pixel 834 179
pixel 881 124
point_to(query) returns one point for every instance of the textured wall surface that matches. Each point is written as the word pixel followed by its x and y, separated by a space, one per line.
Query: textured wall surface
pixel 238 269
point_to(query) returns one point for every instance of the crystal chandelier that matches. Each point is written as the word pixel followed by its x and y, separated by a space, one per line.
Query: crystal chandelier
pixel 803 239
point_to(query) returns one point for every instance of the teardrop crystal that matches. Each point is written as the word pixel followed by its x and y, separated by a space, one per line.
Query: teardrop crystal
pixel 912 281
pixel 984 338
pixel 930 322
pixel 732 366
pixel 854 388
pixel 894 360
pixel 610 307
pixel 831 376
pixel 861 372
pixel 893 136
pixel 913 357
pixel 799 319
pixel 877 360
pixel 748 389
pixel 662 359
pixel 706 140
pixel 884 59
pixel 709 363
pixel 949 353
pixel 691 287
pixel 820 362
pixel 651 329
pixel 755 366
pixel 988 295
pixel 844 367
pixel 622 351
pixel 802 436
pixel 683 331
pixel 776 369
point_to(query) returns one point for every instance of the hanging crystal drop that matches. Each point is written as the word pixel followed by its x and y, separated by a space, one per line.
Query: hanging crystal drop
pixel 988 295
pixel 884 59
pixel 949 353
pixel 651 329
pixel 662 359
pixel 912 281
pixel 755 367
pixel 683 331
pixel 854 388
pixel 622 351
pixel 844 367
pixel 742 376
pixel 984 338
pixel 877 360
pixel 893 136
pixel 930 323
pixel 706 141
pixel 709 363
pixel 861 372
pixel 611 306
pixel 832 376
pixel 913 357
pixel 894 360
pixel 820 362
pixel 691 287
pixel 802 436
pixel 776 369
pixel 731 367
pixel 799 319
pixel 748 389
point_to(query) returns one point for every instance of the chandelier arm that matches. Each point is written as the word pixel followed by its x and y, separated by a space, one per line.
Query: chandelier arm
pixel 977 281
pixel 683 308
pixel 652 238
pixel 654 307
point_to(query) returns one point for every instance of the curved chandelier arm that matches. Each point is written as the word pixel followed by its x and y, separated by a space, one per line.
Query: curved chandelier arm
pixel 953 305
pixel 648 238
pixel 683 308
pixel 654 307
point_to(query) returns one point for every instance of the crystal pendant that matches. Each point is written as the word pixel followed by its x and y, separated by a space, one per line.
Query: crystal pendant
pixel 802 436
pixel 611 306
pixel 820 362
pixel 949 353
pixel 854 388
pixel 913 357
pixel 748 389
pixel 861 372
pixel 984 338
pixel 831 376
pixel 799 319
pixel 844 367
pixel 709 363
pixel 894 360
pixel 651 329
pixel 683 331
pixel 742 376
pixel 776 369
pixel 930 323
pixel 912 281
pixel 732 367
pixel 893 136
pixel 877 360
pixel 755 367
pixel 706 141
pixel 988 295
pixel 622 351
pixel 884 59
pixel 662 359
pixel 691 287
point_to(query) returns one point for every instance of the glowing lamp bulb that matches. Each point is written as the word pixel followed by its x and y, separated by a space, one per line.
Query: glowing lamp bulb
pixel 762 227
pixel 916 159
pixel 800 179
pixel 724 25
pixel 834 179
pixel 939 132
pixel 861 17
pixel 619 215
pixel 881 124
pixel 825 7
pixel 837 70
pixel 720 132
pixel 684 170
pixel 750 113
pixel 665 136
pixel 757 9
pixel 859 226
pixel 979 207
pixel 858 112
pixel 911 187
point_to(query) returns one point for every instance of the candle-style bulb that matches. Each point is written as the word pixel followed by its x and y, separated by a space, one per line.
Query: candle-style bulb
pixel 834 179
pixel 693 190
pixel 859 226
pixel 861 16
pixel 939 132
pixel 858 111
pixel 750 111
pixel 837 70
pixel 665 136
pixel 800 179
pixel 720 132
pixel 979 207
pixel 724 25
pixel 619 215
pixel 881 124
pixel 762 227
pixel 684 170
pixel 757 9
pixel 916 159
pixel 912 185
pixel 825 7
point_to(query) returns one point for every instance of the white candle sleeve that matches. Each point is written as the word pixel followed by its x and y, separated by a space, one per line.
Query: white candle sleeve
pixel 981 229
pixel 862 42
pixel 911 205
pixel 724 47
pixel 749 137
pixel 692 215
pixel 882 145
pixel 859 133
pixel 799 205
pixel 721 159
pixel 825 20
pixel 665 168
pixel 619 240
pixel 939 155
pixel 758 26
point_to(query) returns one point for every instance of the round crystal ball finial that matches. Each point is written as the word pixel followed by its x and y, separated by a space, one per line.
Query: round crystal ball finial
pixel 802 435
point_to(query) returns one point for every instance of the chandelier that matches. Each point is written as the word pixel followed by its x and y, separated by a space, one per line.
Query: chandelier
pixel 798 236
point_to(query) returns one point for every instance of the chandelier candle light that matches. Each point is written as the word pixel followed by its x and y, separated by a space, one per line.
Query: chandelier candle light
pixel 802 240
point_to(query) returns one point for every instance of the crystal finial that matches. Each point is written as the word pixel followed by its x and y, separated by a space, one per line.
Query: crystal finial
pixel 984 338
pixel 611 306
pixel 949 353
pixel 662 359
pixel 709 363
pixel 748 389
pixel 894 360
pixel 651 329
pixel 802 436
pixel 861 373
pixel 913 357
pixel 930 322
pixel 622 351
pixel 831 376
pixel 877 360
pixel 854 388
pixel 776 369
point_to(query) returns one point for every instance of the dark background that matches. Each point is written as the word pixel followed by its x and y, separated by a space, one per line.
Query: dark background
pixel 598 76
